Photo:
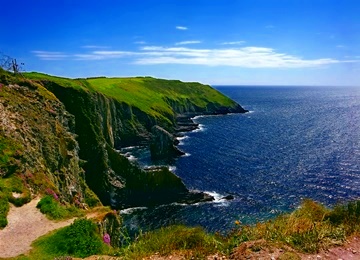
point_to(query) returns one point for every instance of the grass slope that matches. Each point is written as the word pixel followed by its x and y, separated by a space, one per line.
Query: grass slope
pixel 146 93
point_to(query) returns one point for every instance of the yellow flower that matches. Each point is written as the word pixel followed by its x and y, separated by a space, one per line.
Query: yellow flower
pixel 237 222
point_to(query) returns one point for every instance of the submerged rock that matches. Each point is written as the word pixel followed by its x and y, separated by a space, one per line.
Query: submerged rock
pixel 228 197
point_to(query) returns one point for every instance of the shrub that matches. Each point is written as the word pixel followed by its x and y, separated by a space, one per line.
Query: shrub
pixel 54 210
pixel 80 239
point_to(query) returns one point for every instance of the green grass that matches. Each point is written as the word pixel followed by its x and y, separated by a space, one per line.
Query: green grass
pixel 10 151
pixel 8 185
pixel 49 206
pixel 145 93
pixel 191 242
pixel 80 239
pixel 308 229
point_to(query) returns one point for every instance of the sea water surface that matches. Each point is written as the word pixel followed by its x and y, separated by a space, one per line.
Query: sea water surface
pixel 295 143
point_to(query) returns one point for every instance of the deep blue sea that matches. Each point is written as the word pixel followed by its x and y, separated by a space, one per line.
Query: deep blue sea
pixel 295 143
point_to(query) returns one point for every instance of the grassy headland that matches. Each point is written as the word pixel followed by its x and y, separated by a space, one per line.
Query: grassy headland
pixel 146 93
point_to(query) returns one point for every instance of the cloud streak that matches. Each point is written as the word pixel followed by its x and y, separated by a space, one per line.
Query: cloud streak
pixel 233 43
pixel 244 57
pixel 187 42
pixel 182 28
pixel 50 55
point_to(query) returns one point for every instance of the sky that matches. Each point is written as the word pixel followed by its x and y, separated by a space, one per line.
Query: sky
pixel 218 42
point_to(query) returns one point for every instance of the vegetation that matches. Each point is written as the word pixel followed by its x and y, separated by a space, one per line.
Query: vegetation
pixel 187 241
pixel 80 239
pixel 308 229
pixel 152 96
pixel 50 206
pixel 8 187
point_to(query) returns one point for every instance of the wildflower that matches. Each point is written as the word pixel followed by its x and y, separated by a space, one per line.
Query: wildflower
pixel 106 239
pixel 237 222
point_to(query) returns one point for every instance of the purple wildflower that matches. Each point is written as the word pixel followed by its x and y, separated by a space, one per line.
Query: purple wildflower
pixel 51 192
pixel 106 239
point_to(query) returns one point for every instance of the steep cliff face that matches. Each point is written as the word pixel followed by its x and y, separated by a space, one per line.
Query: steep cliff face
pixel 82 122
pixel 103 124
pixel 46 159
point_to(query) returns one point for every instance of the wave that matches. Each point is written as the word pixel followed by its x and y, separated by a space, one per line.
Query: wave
pixel 172 168
pixel 131 210
pixel 181 138
pixel 218 198
pixel 201 128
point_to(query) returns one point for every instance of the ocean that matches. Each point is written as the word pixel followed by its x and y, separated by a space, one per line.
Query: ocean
pixel 295 143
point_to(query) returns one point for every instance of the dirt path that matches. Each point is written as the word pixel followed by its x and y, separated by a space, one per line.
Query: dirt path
pixel 25 224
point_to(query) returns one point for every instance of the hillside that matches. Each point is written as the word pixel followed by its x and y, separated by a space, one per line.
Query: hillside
pixel 61 136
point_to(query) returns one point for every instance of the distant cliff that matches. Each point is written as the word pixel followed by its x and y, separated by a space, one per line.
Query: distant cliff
pixel 91 118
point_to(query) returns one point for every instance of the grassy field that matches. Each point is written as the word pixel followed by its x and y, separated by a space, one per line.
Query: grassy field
pixel 146 93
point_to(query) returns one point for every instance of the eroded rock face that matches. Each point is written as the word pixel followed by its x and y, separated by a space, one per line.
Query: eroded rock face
pixel 47 157
pixel 163 143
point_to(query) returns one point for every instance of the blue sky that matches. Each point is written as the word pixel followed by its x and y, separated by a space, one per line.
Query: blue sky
pixel 247 42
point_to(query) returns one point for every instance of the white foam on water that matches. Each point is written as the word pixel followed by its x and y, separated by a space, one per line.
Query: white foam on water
pixel 182 137
pixel 172 168
pixel 218 198
pixel 131 210
pixel 200 128
pixel 196 117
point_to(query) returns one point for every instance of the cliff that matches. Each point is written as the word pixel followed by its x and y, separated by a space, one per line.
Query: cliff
pixel 78 124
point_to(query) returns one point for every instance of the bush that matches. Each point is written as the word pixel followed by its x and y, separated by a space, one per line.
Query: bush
pixel 54 210
pixel 51 208
pixel 81 239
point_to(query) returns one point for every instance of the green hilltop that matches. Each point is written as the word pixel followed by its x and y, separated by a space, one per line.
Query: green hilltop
pixel 146 93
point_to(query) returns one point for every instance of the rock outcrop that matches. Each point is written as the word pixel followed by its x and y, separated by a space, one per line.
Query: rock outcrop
pixel 163 143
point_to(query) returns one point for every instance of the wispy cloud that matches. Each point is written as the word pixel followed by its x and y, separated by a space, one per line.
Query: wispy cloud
pixel 102 55
pixel 140 42
pixel 50 55
pixel 340 46
pixel 181 28
pixel 187 42
pixel 234 43
pixel 95 47
pixel 245 57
